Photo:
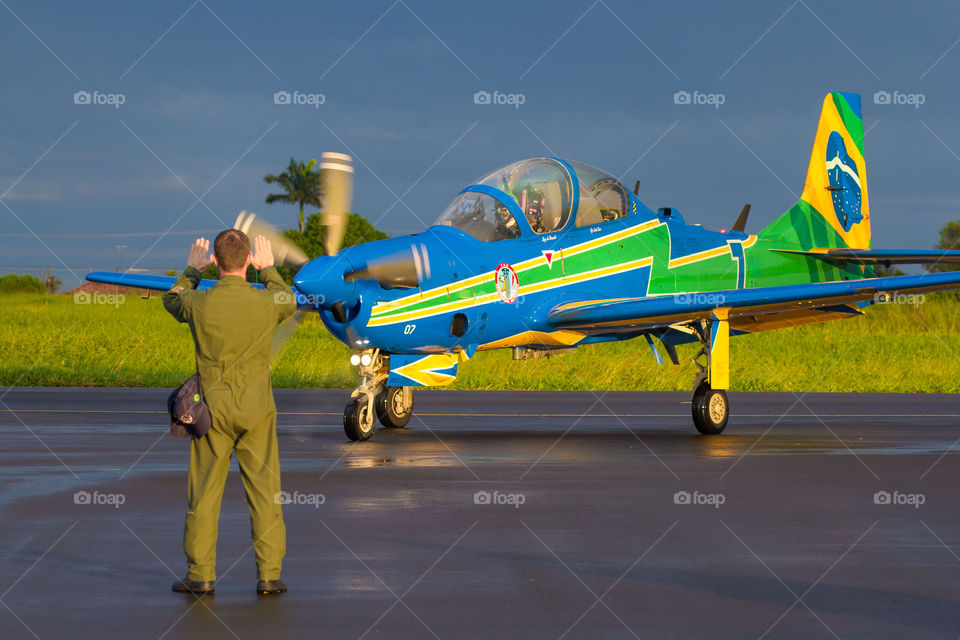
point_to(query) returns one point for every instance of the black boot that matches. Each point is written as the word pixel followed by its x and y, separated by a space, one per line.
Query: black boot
pixel 196 587
pixel 271 587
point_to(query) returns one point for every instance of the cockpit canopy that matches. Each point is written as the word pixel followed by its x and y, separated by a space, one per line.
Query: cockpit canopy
pixel 543 192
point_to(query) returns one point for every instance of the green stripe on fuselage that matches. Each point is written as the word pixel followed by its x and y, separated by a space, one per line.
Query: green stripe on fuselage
pixel 800 228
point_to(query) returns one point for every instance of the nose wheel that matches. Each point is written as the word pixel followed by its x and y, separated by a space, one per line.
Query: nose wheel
pixel 373 400
pixel 358 420
pixel 394 406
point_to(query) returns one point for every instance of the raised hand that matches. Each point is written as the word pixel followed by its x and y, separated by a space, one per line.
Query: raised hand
pixel 199 256
pixel 262 253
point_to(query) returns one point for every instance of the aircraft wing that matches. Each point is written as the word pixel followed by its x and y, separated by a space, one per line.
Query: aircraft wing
pixel 879 256
pixel 142 281
pixel 163 283
pixel 746 309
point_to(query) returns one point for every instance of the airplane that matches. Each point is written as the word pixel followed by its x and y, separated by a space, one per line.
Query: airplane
pixel 546 255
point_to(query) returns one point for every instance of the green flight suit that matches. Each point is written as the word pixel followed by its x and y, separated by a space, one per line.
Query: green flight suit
pixel 232 325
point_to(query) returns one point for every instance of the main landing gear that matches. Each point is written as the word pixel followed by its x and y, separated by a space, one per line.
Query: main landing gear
pixel 710 409
pixel 373 400
pixel 709 405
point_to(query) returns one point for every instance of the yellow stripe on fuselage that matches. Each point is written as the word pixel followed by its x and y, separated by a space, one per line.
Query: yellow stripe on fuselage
pixel 700 255
pixel 530 263
pixel 524 290
pixel 385 313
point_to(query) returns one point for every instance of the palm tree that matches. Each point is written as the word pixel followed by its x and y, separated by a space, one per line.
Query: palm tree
pixel 301 181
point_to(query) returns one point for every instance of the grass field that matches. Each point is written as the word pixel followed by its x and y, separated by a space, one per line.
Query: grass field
pixel 51 341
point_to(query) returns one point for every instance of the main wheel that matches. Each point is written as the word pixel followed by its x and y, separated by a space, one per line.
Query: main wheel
pixel 392 410
pixel 710 409
pixel 358 420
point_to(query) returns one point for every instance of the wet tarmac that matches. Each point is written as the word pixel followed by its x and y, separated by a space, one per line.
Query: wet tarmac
pixel 498 515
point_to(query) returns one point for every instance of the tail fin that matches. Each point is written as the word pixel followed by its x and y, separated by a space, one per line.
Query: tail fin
pixel 833 210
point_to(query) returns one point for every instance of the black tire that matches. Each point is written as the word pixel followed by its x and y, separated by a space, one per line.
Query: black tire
pixel 390 411
pixel 711 409
pixel 356 424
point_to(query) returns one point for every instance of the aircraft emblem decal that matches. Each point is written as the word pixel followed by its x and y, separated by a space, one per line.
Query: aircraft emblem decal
pixel 506 282
pixel 844 182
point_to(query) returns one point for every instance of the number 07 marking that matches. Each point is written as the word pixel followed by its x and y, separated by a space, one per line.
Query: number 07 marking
pixel 410 328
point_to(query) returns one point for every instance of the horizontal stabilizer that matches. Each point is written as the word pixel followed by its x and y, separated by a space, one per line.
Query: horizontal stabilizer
pixel 880 256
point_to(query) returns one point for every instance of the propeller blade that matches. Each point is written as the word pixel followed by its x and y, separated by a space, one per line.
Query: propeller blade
pixel 285 332
pixel 404 270
pixel 285 251
pixel 336 175
pixel 741 223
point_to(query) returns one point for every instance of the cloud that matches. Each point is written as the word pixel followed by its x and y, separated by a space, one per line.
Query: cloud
pixel 370 132
pixel 33 193
pixel 197 105
pixel 45 190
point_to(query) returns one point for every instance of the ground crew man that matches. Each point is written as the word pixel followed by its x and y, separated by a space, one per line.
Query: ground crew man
pixel 232 325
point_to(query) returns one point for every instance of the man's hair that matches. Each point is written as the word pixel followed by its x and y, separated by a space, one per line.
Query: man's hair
pixel 231 248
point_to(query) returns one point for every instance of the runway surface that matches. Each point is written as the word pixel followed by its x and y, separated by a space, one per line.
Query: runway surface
pixel 498 515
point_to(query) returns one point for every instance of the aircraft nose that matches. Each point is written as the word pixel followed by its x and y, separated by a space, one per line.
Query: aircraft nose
pixel 321 280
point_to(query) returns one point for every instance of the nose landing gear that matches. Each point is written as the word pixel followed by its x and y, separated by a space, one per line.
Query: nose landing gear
pixel 394 406
pixel 373 400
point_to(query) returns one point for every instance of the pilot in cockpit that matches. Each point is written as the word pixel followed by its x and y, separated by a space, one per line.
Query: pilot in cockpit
pixel 505 223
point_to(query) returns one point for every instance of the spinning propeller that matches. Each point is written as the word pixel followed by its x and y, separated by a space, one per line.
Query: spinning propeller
pixel 329 279
pixel 285 251
pixel 336 177
pixel 403 270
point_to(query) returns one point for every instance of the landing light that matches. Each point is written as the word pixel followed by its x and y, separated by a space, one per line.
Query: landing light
pixel 366 359
pixel 354 360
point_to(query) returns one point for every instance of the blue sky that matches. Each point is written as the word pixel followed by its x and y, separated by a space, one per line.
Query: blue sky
pixel 199 128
